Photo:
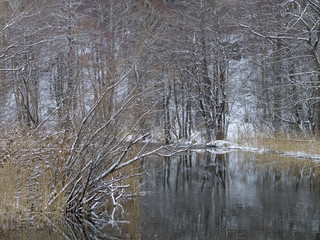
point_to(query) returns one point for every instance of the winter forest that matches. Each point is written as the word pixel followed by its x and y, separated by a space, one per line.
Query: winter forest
pixel 168 67
pixel 87 85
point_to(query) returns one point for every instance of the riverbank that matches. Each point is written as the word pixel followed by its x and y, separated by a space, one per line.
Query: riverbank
pixel 297 147
pixel 292 147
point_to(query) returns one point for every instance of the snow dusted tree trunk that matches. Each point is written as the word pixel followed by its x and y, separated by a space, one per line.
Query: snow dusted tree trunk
pixel 278 92
pixel 69 98
pixel 222 102
pixel 166 111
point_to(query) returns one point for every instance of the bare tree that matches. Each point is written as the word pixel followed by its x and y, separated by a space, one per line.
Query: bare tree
pixel 290 56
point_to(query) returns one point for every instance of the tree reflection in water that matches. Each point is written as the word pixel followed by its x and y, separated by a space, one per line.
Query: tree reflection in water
pixel 231 196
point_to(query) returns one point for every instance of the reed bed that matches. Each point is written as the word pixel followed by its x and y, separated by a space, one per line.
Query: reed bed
pixel 291 144
pixel 31 172
pixel 34 182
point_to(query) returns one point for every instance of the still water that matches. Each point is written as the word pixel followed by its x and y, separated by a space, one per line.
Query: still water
pixel 232 196
pixel 206 195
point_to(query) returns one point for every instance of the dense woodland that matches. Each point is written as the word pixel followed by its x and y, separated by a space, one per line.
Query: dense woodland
pixel 175 67
pixel 106 74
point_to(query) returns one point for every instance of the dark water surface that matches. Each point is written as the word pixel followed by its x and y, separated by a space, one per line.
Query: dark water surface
pixel 232 196
pixel 205 195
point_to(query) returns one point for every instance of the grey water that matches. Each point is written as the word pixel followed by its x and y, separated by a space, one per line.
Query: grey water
pixel 232 196
pixel 209 195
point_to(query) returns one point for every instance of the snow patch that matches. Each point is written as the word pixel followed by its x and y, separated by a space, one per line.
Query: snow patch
pixel 219 144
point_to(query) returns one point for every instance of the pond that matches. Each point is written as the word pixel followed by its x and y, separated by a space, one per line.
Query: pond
pixel 203 194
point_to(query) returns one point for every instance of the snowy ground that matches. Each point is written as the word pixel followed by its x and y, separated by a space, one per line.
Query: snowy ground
pixel 222 146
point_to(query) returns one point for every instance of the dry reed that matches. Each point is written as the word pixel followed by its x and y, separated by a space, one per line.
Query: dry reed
pixel 292 144
pixel 29 177
pixel 32 174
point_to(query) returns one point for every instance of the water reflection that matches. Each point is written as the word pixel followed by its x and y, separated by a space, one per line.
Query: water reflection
pixel 231 196
pixel 205 195
pixel 125 225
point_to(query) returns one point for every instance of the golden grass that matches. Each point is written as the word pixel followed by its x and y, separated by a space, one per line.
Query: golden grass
pixel 281 143
pixel 29 177
pixel 32 174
